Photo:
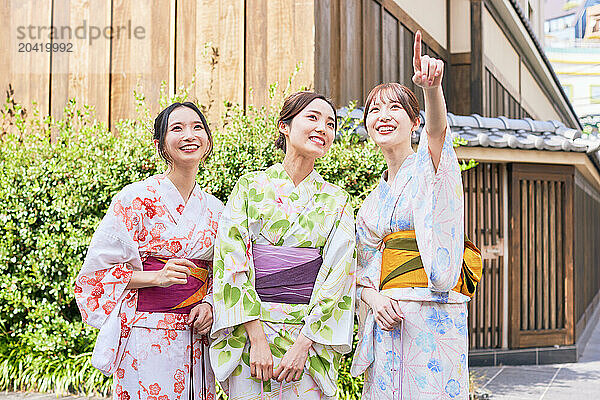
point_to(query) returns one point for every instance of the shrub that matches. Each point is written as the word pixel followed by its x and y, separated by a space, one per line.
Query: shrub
pixel 57 178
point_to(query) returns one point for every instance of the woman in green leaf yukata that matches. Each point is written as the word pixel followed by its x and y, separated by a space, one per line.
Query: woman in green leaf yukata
pixel 284 269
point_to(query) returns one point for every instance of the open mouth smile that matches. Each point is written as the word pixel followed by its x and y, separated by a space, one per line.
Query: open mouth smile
pixel 317 140
pixel 189 148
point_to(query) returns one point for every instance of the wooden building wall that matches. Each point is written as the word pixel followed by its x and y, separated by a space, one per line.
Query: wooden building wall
pixel 586 275
pixel 541 256
pixel 235 49
pixel 362 43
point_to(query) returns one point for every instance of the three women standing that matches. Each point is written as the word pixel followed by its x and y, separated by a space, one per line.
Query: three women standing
pixel 147 274
pixel 410 239
pixel 284 264
pixel 284 269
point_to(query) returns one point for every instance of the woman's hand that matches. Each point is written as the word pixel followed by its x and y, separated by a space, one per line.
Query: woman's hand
pixel 201 318
pixel 175 272
pixel 386 310
pixel 428 71
pixel 261 359
pixel 292 364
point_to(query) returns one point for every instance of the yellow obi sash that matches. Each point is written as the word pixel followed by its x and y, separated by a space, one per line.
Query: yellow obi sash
pixel 401 265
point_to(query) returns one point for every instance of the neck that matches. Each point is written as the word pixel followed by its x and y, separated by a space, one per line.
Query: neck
pixel 184 179
pixel 297 167
pixel 395 156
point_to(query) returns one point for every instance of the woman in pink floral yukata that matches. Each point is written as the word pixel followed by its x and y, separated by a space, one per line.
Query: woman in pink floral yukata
pixel 146 279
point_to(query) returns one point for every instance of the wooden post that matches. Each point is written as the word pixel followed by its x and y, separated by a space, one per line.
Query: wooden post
pixel 477 57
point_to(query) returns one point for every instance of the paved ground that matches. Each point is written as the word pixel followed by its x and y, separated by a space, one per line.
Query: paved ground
pixel 576 381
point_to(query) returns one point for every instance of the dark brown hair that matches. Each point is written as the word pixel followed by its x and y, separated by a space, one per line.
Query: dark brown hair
pixel 394 92
pixel 161 123
pixel 293 105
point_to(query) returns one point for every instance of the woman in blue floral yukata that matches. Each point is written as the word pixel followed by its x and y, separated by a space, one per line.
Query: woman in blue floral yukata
pixel 411 294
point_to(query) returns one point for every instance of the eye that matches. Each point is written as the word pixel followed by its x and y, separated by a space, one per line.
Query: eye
pixel 312 117
pixel 374 109
pixel 176 128
pixel 396 106
pixel 199 127
pixel 331 125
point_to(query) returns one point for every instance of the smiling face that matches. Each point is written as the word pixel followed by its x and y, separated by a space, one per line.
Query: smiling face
pixel 388 122
pixel 311 132
pixel 186 139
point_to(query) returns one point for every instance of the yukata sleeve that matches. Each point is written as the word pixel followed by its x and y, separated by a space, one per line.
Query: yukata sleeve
pixel 100 287
pixel 369 254
pixel 439 214
pixel 218 211
pixel 330 320
pixel 235 298
pixel 368 271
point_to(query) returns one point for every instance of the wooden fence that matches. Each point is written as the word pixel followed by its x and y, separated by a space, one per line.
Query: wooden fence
pixel 541 276
pixel 484 225
pixel 586 274
pixel 232 49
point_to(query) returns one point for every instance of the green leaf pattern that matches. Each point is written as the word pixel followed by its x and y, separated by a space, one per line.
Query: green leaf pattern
pixel 265 207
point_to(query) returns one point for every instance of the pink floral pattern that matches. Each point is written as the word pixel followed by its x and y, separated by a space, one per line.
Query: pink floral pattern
pixel 148 353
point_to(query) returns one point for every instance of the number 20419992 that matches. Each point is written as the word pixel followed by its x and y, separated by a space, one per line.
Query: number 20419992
pixel 48 47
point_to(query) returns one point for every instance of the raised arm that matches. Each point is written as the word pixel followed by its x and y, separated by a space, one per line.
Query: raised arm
pixel 428 73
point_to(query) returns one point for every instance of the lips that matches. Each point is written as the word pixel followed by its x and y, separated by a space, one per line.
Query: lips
pixel 189 148
pixel 317 140
pixel 385 129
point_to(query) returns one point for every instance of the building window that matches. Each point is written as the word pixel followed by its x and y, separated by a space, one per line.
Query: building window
pixel 568 88
pixel 595 94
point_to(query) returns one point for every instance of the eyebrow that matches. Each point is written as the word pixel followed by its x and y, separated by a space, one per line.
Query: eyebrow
pixel 320 113
pixel 181 123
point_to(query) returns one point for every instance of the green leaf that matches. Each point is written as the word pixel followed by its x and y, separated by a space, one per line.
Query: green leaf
pixel 224 356
pixel 231 295
pixel 237 371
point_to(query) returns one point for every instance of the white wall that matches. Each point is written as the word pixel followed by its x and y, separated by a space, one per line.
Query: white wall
pixel 500 52
pixel 534 99
pixel 430 14
pixel 460 26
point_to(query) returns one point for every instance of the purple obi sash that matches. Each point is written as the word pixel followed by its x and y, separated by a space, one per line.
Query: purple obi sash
pixel 179 299
pixel 285 274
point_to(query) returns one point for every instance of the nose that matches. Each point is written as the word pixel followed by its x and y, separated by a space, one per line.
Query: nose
pixel 384 116
pixel 321 126
pixel 188 133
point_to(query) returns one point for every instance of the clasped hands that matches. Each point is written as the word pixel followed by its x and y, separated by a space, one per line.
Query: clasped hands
pixel 291 366
pixel 386 311
pixel 176 272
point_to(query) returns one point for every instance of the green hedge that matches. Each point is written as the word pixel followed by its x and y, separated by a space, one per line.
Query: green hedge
pixel 53 194
pixel 57 178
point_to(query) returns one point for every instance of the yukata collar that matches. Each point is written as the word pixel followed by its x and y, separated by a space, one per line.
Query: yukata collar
pixel 310 181
pixel 172 198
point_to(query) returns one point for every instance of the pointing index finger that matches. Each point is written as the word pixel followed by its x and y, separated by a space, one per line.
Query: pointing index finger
pixel 417 52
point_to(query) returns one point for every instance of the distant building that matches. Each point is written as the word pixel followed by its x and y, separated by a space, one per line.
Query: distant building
pixel 572 39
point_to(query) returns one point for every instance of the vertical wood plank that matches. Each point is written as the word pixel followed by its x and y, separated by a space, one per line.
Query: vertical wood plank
pixel 390 53
pixel 532 260
pixel 538 256
pixel 351 62
pixel 139 63
pixel 545 257
pixel 28 73
pixel 568 254
pixel 524 250
pixel 372 52
pixel 84 73
pixel 560 267
pixel 516 257
pixel 199 45
pixel 256 50
pixel 323 46
pixel 552 251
